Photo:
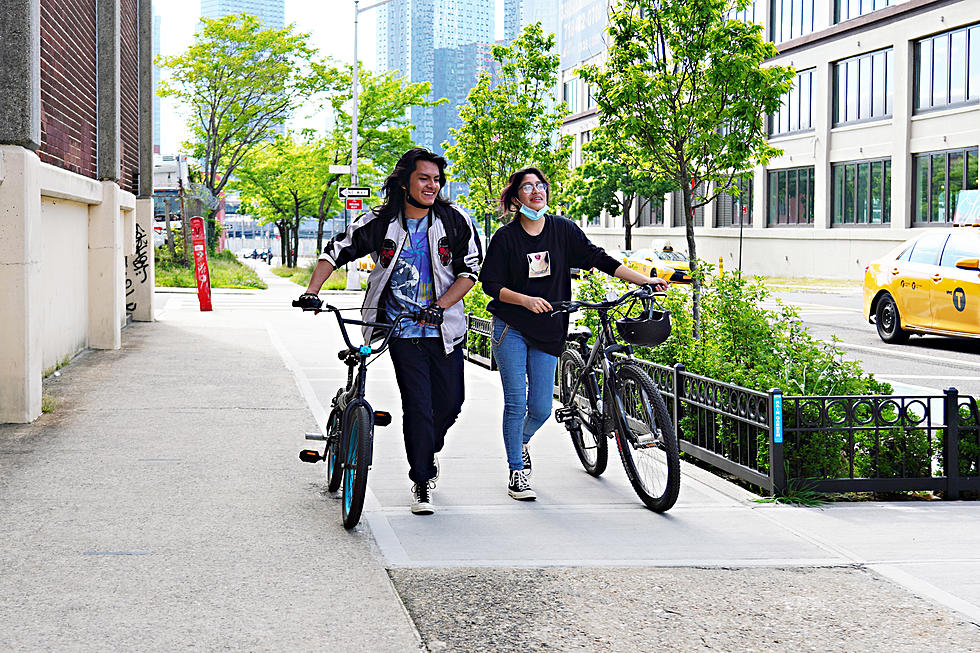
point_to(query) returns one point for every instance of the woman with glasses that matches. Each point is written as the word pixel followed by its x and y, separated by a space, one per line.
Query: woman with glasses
pixel 526 269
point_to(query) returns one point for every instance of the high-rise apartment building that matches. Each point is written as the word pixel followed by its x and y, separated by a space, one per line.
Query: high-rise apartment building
pixel 272 13
pixel 879 132
pixel 520 13
pixel 424 41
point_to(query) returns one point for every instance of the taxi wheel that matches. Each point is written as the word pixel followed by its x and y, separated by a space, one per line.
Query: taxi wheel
pixel 886 319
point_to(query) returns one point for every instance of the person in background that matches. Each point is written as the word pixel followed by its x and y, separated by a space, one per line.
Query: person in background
pixel 526 270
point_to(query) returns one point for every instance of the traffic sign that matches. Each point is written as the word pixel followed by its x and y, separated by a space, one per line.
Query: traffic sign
pixel 354 205
pixel 347 192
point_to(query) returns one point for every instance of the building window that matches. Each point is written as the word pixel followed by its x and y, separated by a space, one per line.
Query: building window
pixel 696 196
pixel 796 112
pixel 735 207
pixel 938 179
pixel 848 9
pixel 863 87
pixel 862 192
pixel 651 212
pixel 791 196
pixel 791 18
pixel 947 69
pixel 589 98
pixel 750 14
pixel 570 95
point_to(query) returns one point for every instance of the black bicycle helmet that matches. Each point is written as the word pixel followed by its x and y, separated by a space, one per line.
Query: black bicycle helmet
pixel 649 330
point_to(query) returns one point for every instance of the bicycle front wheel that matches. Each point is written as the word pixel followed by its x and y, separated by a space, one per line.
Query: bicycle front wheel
pixel 646 440
pixel 355 454
pixel 591 447
pixel 332 454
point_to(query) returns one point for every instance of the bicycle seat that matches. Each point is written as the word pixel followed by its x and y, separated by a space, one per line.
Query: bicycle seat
pixel 579 333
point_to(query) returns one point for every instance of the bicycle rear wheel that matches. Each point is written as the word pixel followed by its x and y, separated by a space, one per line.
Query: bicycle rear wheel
pixel 355 454
pixel 591 447
pixel 646 440
pixel 332 454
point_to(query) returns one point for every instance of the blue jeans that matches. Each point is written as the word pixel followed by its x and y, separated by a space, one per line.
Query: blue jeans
pixel 528 378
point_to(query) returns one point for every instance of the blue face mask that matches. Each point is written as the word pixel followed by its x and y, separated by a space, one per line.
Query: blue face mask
pixel 531 213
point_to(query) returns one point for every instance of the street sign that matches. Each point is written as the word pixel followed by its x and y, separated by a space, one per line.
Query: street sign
pixel 339 170
pixel 347 192
pixel 354 205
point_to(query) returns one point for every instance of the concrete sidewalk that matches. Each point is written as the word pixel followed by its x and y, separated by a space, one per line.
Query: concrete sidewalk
pixel 162 506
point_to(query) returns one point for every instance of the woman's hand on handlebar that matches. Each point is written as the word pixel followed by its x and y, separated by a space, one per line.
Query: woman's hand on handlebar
pixel 657 283
pixel 536 304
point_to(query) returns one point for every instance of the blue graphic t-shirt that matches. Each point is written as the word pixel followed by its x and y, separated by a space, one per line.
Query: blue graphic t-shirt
pixel 411 281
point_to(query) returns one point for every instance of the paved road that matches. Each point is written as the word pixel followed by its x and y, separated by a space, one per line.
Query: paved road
pixel 927 364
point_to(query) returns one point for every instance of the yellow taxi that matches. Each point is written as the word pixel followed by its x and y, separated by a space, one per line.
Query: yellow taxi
pixel 364 264
pixel 929 284
pixel 662 261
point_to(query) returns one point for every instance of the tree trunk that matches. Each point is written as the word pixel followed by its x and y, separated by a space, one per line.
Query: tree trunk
pixel 319 226
pixel 627 222
pixel 688 192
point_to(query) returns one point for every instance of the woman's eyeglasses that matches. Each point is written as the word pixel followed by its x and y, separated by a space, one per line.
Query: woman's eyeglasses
pixel 528 187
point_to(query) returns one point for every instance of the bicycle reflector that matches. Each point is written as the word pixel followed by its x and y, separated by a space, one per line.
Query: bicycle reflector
pixel 649 330
pixel 310 456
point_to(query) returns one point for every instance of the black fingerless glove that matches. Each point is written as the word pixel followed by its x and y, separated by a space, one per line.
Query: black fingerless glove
pixel 431 315
pixel 308 300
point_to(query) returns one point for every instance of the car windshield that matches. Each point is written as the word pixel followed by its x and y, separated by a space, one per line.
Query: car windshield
pixel 671 256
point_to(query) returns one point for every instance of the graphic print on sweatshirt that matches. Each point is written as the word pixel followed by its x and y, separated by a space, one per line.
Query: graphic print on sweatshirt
pixel 538 265
pixel 411 283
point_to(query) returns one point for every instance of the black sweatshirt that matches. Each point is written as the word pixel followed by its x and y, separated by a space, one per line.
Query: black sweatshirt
pixel 539 266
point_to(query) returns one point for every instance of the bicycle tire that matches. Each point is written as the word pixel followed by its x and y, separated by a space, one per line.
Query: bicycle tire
pixel 592 448
pixel 332 453
pixel 646 440
pixel 357 440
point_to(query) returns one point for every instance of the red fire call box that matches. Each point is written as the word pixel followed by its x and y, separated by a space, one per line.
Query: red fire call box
pixel 201 263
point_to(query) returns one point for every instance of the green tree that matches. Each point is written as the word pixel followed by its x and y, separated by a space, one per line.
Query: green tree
pixel 685 89
pixel 610 180
pixel 276 183
pixel 384 132
pixel 510 121
pixel 240 81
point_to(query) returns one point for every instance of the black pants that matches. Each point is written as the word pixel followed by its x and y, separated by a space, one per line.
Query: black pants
pixel 431 385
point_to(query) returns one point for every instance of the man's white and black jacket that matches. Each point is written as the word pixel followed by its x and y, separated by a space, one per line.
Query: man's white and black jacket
pixel 454 247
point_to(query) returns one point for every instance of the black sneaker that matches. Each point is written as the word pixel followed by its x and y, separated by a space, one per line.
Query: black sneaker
pixel 421 504
pixel 526 457
pixel 519 488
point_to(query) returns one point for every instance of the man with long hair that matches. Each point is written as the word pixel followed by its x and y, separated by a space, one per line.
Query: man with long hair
pixel 427 256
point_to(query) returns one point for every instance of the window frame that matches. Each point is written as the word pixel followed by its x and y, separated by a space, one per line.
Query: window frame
pixel 851 67
pixel 803 196
pixel 839 200
pixel 930 157
pixel 970 82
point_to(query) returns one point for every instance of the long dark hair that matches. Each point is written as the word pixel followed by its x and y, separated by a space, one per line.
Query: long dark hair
pixel 394 188
pixel 509 196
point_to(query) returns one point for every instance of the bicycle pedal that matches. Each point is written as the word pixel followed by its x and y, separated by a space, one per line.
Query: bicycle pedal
pixel 564 414
pixel 316 436
pixel 310 456
pixel 382 418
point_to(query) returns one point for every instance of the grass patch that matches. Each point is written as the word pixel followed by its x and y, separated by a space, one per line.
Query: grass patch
pixel 48 403
pixel 301 277
pixel 225 269
pixel 51 370
pixel 798 493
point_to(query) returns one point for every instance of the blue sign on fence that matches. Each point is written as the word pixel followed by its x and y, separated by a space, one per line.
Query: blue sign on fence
pixel 777 419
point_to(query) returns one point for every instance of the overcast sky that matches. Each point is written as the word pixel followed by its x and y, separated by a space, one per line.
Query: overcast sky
pixel 331 28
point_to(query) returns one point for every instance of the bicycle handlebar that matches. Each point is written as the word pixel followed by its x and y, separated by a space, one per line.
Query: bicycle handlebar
pixel 388 327
pixel 643 292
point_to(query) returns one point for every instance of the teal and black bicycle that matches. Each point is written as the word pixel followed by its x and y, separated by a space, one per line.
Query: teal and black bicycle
pixel 349 438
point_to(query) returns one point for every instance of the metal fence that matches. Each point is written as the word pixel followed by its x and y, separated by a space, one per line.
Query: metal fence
pixel 856 443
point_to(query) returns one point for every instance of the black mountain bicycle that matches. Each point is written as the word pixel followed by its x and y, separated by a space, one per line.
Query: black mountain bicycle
pixel 607 396
pixel 350 428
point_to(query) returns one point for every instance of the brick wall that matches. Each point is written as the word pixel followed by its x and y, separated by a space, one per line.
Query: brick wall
pixel 68 88
pixel 68 112
pixel 129 95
